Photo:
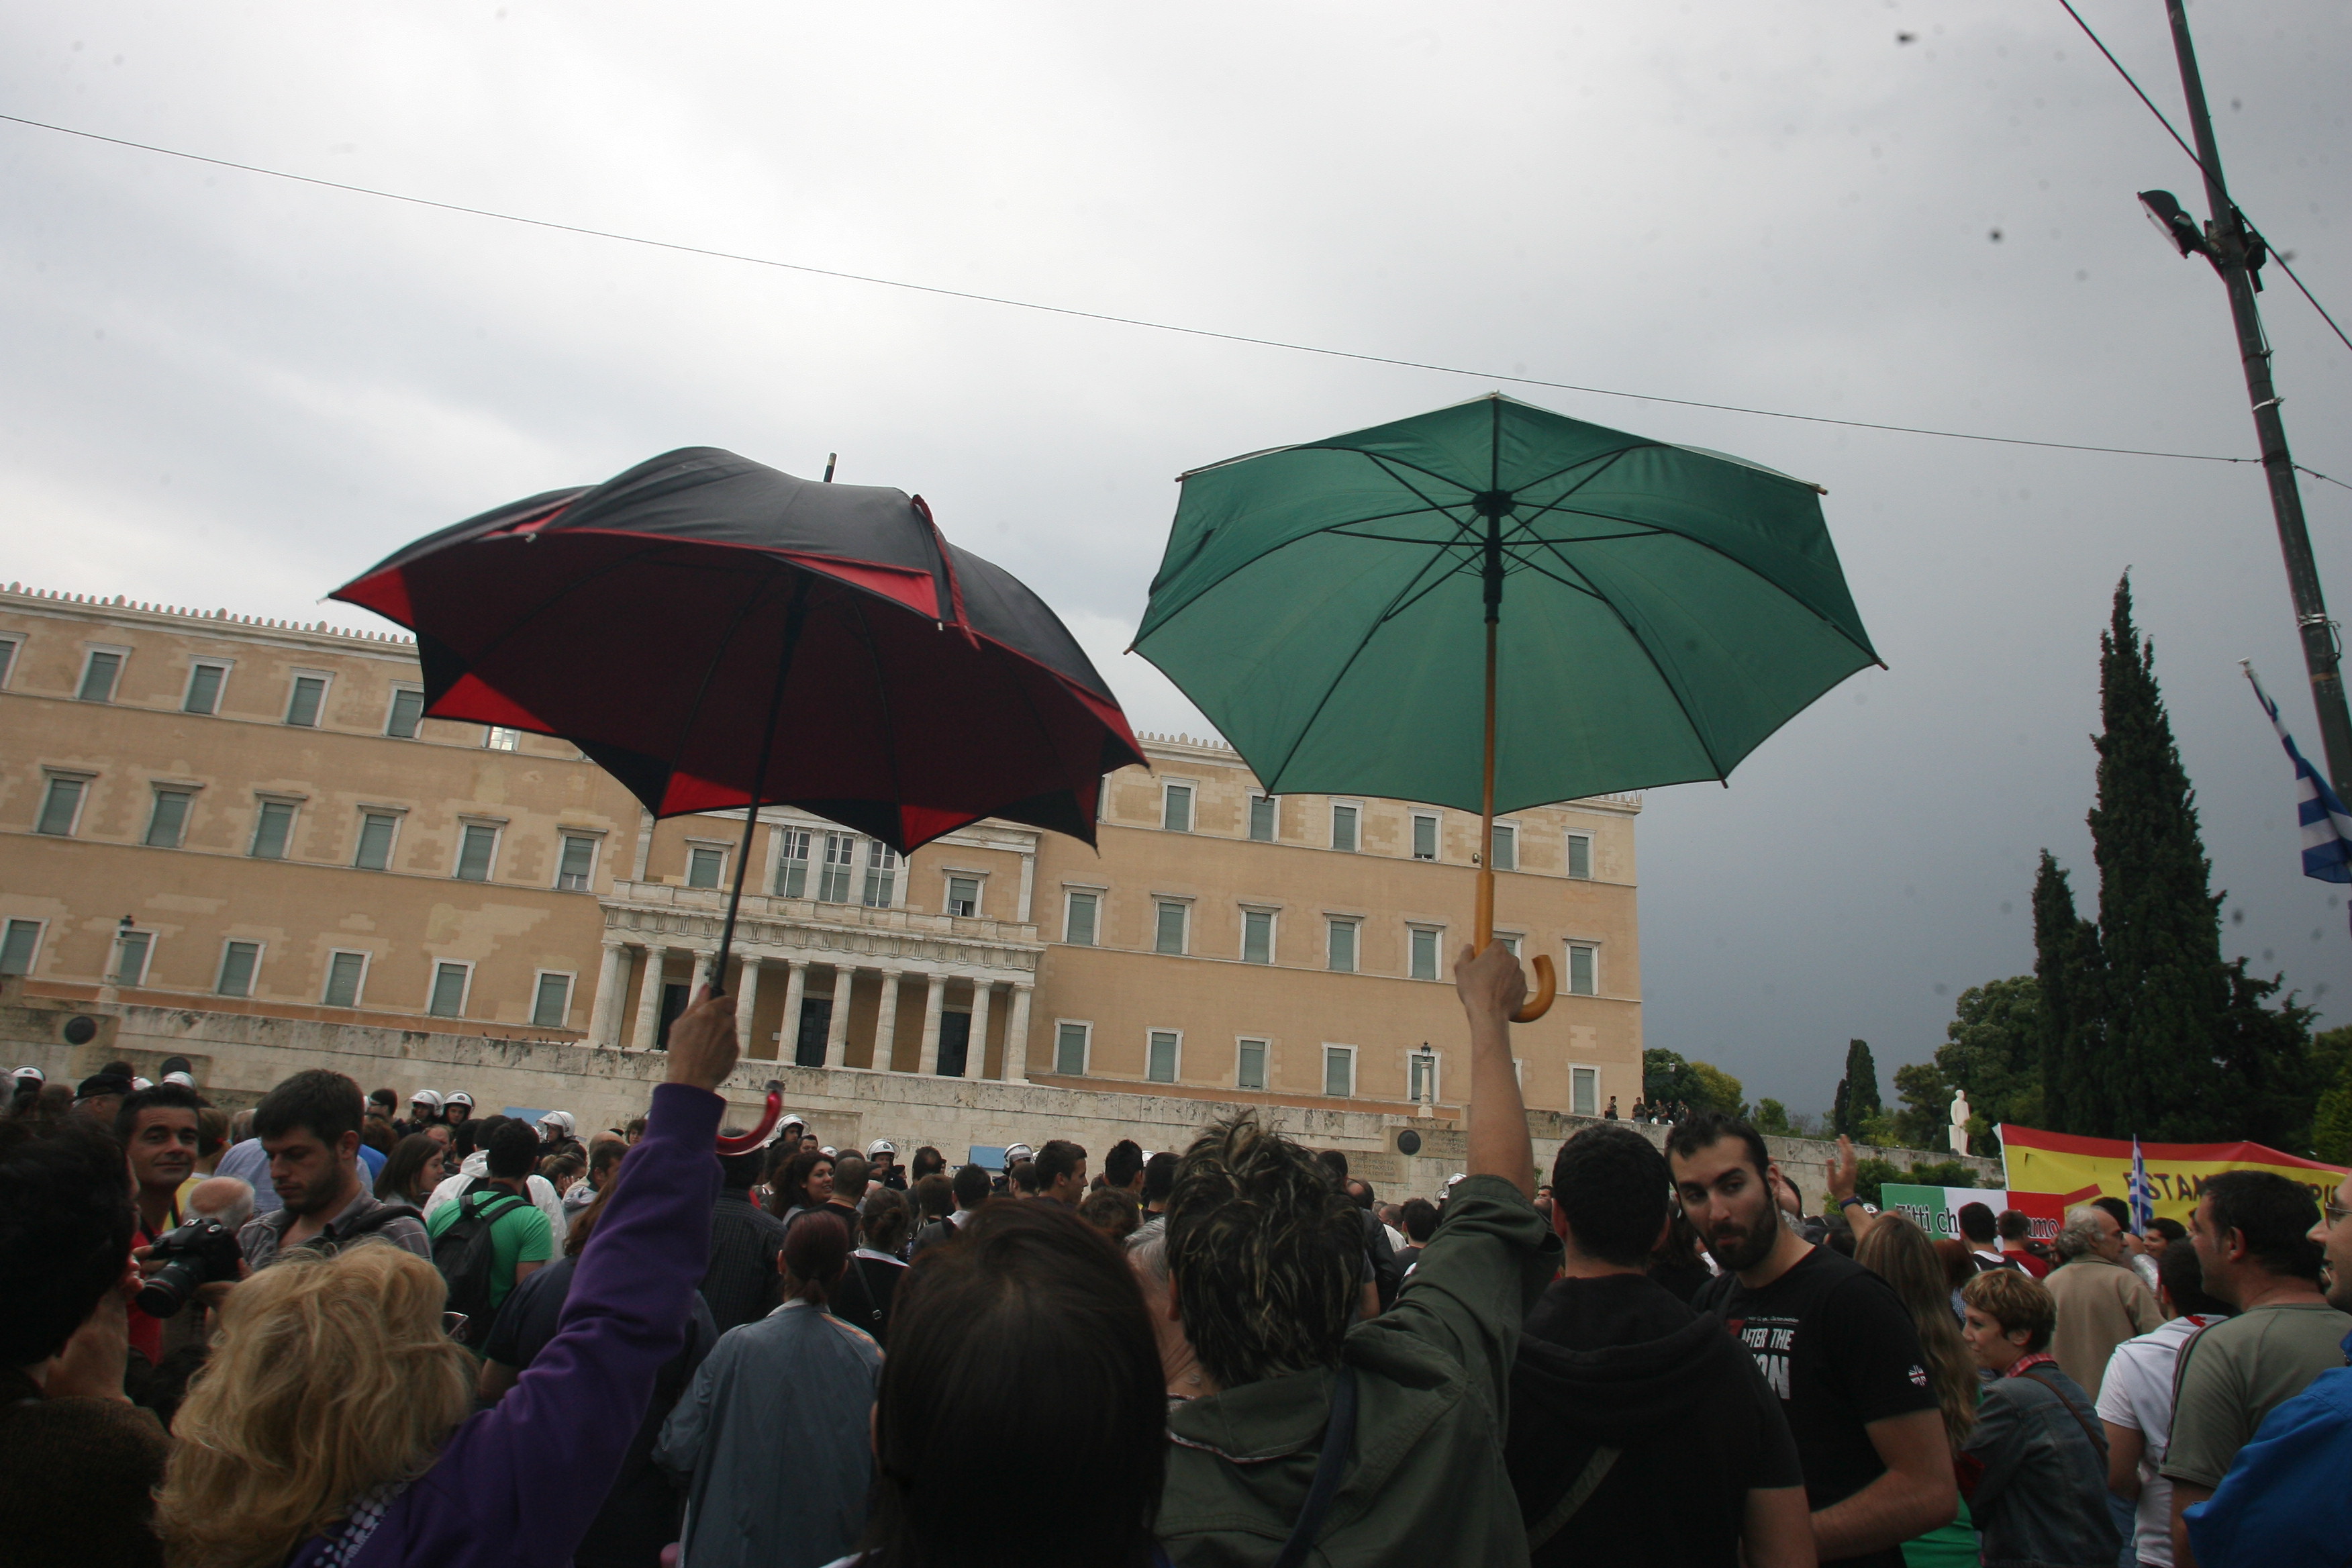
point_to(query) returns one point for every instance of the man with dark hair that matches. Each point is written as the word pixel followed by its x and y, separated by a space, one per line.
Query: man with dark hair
pixel 742 1283
pixel 851 1176
pixel 1158 1179
pixel 1419 1219
pixel 1629 1413
pixel 2253 1231
pixel 79 1464
pixel 927 1162
pixel 972 1187
pixel 1061 1170
pixel 520 1238
pixel 1832 1339
pixel 1123 1168
pixel 157 1130
pixel 1982 1233
pixel 1399 1413
pixel 2015 1231
pixel 2136 1403
pixel 1380 1266
pixel 1021 1179
pixel 309 1126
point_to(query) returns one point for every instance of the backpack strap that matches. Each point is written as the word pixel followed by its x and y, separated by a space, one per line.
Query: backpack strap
pixel 2098 1439
pixel 1588 1481
pixel 1338 1438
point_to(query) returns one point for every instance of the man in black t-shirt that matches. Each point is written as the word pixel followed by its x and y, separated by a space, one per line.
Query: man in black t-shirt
pixel 1832 1341
pixel 1639 1433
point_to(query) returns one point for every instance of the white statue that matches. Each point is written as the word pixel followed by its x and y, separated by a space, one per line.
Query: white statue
pixel 1960 1121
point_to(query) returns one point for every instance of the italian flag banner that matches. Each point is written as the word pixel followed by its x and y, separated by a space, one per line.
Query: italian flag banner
pixel 2050 1172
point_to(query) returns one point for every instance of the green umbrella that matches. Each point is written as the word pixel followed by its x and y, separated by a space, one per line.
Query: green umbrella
pixel 1338 608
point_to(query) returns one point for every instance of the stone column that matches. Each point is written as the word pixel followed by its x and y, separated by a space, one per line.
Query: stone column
pixel 612 985
pixel 788 1031
pixel 836 1032
pixel 934 1002
pixel 975 1060
pixel 703 958
pixel 649 999
pixel 1016 1035
pixel 747 999
pixel 886 1022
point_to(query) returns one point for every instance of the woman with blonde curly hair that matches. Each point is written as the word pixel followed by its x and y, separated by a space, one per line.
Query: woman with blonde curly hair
pixel 334 1425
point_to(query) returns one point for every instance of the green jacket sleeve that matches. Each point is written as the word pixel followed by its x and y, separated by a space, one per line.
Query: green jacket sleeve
pixel 1489 1260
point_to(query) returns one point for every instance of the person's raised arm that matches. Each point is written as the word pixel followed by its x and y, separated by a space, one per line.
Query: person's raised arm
pixel 1492 988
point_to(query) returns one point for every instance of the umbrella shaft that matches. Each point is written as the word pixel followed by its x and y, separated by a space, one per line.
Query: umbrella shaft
pixel 1484 922
pixel 760 781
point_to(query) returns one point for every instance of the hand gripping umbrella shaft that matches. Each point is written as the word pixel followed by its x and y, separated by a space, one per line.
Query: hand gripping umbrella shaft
pixel 1546 982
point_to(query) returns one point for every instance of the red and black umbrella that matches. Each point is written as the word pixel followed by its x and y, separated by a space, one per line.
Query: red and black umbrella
pixel 716 634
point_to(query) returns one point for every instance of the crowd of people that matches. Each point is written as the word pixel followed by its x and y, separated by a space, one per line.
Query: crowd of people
pixel 241 1342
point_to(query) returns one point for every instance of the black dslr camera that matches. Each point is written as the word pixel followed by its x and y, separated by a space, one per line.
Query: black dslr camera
pixel 198 1253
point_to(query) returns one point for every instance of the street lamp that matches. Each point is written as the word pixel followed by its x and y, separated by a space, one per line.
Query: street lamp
pixel 2163 210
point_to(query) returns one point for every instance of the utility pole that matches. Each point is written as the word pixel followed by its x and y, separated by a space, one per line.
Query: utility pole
pixel 2236 253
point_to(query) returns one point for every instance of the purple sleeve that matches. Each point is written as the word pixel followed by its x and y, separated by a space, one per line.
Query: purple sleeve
pixel 519 1484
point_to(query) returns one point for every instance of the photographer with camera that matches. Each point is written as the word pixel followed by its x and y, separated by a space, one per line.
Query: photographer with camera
pixel 78 1462
pixel 157 1130
pixel 310 1126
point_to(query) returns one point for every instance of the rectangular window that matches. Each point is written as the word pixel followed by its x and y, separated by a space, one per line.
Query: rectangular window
pixel 376 830
pixel 1421 1077
pixel 19 942
pixel 238 961
pixel 881 875
pixel 303 705
pixel 1257 936
pixel 1176 807
pixel 1266 818
pixel 204 689
pixel 130 950
pixel 1339 1071
pixel 1506 847
pixel 1425 952
pixel 1168 933
pixel 1249 1064
pixel 1584 1091
pixel 1580 855
pixel 1078 923
pixel 1425 836
pixel 1583 960
pixel 1160 1056
pixel 407 714
pixel 448 999
pixel 575 867
pixel 8 657
pixel 497 738
pixel 61 806
pixel 98 676
pixel 963 896
pixel 475 852
pixel 705 866
pixel 168 825
pixel 273 830
pixel 1343 827
pixel 1070 1049
pixel 791 863
pixel 833 878
pixel 346 978
pixel 553 1004
pixel 1342 946
pixel 1512 942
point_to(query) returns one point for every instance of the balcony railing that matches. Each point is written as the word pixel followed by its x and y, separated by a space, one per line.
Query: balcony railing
pixel 819 912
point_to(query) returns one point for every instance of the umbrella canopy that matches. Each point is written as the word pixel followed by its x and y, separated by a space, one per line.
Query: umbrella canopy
pixel 713 631
pixel 1660 609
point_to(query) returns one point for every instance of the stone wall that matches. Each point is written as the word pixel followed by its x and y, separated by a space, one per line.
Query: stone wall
pixel 237 1057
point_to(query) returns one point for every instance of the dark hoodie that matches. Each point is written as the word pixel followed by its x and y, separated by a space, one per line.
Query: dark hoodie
pixel 1617 1361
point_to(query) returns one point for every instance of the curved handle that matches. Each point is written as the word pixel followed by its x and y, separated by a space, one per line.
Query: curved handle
pixel 744 1142
pixel 1547 987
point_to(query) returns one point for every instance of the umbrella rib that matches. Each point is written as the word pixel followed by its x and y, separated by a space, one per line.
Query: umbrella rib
pixel 1358 652
pixel 1468 563
pixel 702 691
pixel 1542 570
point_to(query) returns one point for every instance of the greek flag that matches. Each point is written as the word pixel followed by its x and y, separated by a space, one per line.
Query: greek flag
pixel 2143 1193
pixel 2326 826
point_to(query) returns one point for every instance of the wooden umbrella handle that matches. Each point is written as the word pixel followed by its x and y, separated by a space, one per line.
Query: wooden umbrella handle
pixel 1547 987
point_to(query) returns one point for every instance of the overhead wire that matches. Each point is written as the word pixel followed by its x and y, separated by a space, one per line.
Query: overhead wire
pixel 2219 182
pixel 942 291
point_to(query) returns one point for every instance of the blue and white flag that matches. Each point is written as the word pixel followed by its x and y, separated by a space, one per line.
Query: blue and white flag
pixel 2143 1194
pixel 2326 826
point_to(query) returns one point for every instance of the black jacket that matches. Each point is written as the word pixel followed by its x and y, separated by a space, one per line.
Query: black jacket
pixel 1618 1361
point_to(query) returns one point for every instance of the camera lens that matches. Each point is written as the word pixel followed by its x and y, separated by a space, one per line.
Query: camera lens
pixel 168 1290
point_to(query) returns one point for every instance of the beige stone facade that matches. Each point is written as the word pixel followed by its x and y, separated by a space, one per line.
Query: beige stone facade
pixel 200 813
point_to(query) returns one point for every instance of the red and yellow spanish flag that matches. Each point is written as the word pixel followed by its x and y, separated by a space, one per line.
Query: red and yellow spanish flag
pixel 2050 1172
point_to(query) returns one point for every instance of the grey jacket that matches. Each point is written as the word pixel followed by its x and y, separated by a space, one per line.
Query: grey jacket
pixel 2041 1499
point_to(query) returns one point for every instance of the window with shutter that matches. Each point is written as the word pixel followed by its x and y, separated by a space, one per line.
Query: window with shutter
pixel 1169 937
pixel 1070 1050
pixel 549 1007
pixel 963 896
pixel 99 675
pixel 346 975
pixel 1257 936
pixel 1079 924
pixel 1506 847
pixel 19 942
pixel 1582 963
pixel 60 806
pixel 238 961
pixel 1249 1064
pixel 407 712
pixel 1342 949
pixel 273 830
pixel 1176 807
pixel 1159 1060
pixel 1425 953
pixel 577 867
pixel 475 852
pixel 167 827
pixel 1343 827
pixel 1424 836
pixel 1580 855
pixel 1340 1072
pixel 204 689
pixel 376 830
pixel 302 704
pixel 704 866
pixel 449 999
pixel 1265 818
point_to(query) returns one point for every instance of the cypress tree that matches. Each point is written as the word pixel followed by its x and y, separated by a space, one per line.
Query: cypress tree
pixel 1856 1100
pixel 2165 993
pixel 2066 973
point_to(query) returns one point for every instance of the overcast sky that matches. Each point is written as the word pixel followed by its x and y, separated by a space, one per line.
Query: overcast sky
pixel 222 389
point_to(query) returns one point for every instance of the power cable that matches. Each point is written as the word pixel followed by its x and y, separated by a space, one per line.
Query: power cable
pixel 2219 182
pixel 1073 311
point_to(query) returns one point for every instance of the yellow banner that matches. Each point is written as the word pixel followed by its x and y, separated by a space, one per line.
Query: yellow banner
pixel 2050 1172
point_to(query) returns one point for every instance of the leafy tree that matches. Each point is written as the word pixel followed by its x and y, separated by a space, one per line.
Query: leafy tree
pixel 2331 1125
pixel 1991 1049
pixel 1871 1176
pixel 1665 1076
pixel 1718 1090
pixel 1857 1092
pixel 1926 1095
pixel 1772 1120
